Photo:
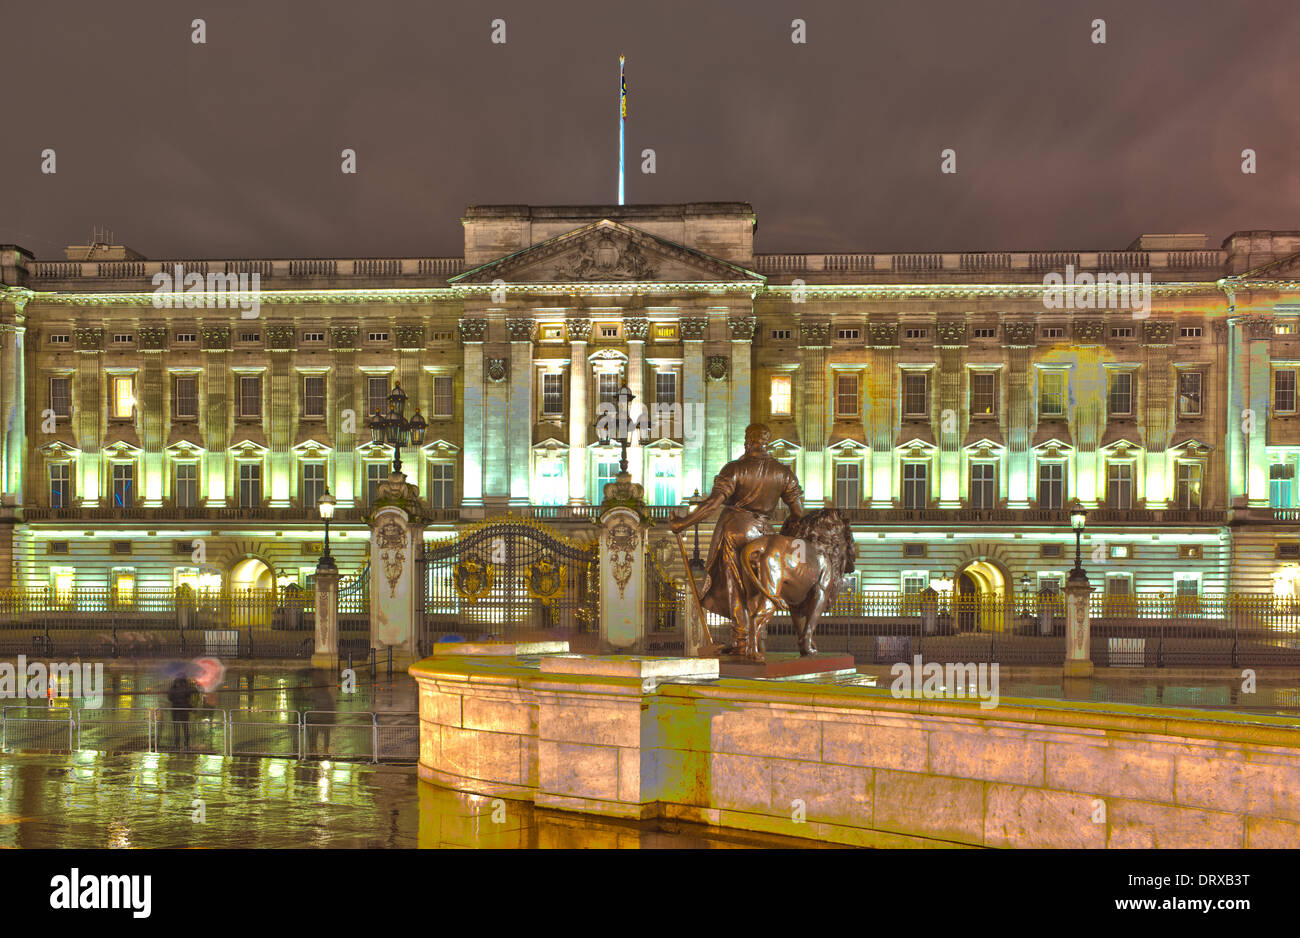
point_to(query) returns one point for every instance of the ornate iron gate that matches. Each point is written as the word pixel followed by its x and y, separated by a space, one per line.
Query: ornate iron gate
pixel 508 578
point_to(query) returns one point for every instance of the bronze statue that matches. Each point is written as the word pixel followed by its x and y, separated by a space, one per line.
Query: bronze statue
pixel 801 571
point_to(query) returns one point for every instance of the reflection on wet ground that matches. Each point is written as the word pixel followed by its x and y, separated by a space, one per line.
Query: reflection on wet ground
pixel 91 800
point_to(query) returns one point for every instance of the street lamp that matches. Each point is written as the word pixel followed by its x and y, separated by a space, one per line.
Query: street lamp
pixel 624 440
pixel 326 506
pixel 395 429
pixel 1078 519
pixel 1026 581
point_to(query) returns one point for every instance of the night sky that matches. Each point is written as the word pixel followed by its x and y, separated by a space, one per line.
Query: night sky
pixel 232 149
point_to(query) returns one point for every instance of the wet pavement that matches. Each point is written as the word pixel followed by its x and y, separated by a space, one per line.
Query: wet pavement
pixel 92 800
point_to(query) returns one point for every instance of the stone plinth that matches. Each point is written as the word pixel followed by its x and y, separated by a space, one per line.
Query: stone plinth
pixel 498 649
pixel 325 654
pixel 855 765
pixel 1078 644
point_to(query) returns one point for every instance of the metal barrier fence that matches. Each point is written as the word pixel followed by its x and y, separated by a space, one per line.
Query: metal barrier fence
pixel 112 623
pixel 289 734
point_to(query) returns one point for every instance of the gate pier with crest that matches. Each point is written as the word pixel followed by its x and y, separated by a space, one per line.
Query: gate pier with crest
pixel 396 541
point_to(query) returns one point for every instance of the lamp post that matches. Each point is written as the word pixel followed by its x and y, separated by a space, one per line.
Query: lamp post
pixel 1025 583
pixel 624 439
pixel 326 506
pixel 695 563
pixel 394 428
pixel 1078 520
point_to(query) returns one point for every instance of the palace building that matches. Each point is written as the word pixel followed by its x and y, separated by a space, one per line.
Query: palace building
pixel 176 421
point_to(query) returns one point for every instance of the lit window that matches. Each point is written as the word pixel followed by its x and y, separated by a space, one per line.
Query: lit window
pixel 1122 332
pixel 442 485
pixel 1281 483
pixel 1119 485
pixel 915 396
pixel 780 396
pixel 666 332
pixel 1284 328
pixel 313 484
pixel 1051 485
pixel 848 485
pixel 606 471
pixel 442 395
pixel 1051 393
pixel 1284 390
pixel 552 394
pixel 552 333
pixel 846 395
pixel 60 489
pixel 377 395
pixel 123 484
pixel 983 394
pixel 665 482
pixel 607 388
pixel 1188 489
pixel 123 397
pixel 983 485
pixel 916 486
pixel 1189 393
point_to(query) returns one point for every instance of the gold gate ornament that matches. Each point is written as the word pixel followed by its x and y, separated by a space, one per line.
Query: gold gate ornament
pixel 546 580
pixel 472 578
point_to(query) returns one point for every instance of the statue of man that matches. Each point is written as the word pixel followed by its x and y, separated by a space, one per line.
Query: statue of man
pixel 747 489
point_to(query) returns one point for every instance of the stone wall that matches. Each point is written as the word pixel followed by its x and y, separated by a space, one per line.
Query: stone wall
pixel 853 765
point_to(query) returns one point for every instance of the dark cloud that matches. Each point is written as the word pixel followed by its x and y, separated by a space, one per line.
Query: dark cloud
pixel 232 148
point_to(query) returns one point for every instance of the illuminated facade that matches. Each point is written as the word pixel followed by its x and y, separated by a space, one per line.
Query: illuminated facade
pixel 952 403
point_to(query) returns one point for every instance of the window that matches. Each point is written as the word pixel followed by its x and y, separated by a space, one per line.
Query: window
pixel 1281 485
pixel 1119 585
pixel 442 396
pixel 442 485
pixel 848 334
pixel 1051 550
pixel 606 471
pixel 915 333
pixel 185 397
pixel 313 396
pixel 1284 328
pixel 1188 485
pixel 60 338
pixel 1284 390
pixel 983 394
pixel 250 337
pixel 1190 332
pixel 1189 393
pixel 780 399
pixel 915 582
pixel 61 396
pixel 185 489
pixel 1051 393
pixel 250 396
pixel 782 333
pixel 250 485
pixel 665 332
pixel 983 485
pixel 1053 332
pixel 187 338
pixel 848 485
pixel 1187 585
pixel 377 395
pixel 552 394
pixel 376 472
pixel 1051 485
pixel 1120 400
pixel 1122 332
pixel 60 490
pixel 665 387
pixel 983 332
pixel 551 489
pixel 916 488
pixel 915 550
pixel 1119 485
pixel 1052 582
pixel 123 484
pixel 607 388
pixel 123 338
pixel 915 394
pixel 378 337
pixel 440 336
pixel 123 397
pixel 313 337
pixel 664 491
pixel 313 484
pixel 609 332
pixel 552 333
pixel 123 583
pixel 846 395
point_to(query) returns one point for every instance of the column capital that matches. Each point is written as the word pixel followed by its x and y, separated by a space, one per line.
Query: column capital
pixel 472 329
pixel 578 328
pixel 742 328
pixel 520 328
pixel 814 334
pixel 636 328
pixel 693 328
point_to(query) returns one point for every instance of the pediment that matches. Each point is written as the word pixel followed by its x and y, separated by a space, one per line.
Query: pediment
pixel 1284 268
pixel 441 449
pixel 57 449
pixel 608 251
pixel 311 448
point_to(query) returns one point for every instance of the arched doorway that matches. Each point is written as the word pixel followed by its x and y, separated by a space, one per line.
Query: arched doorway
pixel 252 593
pixel 981 597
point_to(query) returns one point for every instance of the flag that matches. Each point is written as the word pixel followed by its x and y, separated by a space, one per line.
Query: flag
pixel 622 80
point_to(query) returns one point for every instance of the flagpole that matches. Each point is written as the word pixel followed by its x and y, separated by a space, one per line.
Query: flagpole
pixel 622 119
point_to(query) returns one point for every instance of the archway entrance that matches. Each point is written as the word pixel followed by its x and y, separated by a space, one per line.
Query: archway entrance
pixel 981 597
pixel 252 593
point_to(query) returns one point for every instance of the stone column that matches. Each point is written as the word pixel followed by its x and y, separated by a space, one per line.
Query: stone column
pixel 716 382
pixel 636 329
pixel 348 413
pixel 579 331
pixel 327 615
pixel 1156 398
pixel 742 337
pixel 1088 410
pixel 1078 648
pixel 396 541
pixel 88 415
pixel 1020 339
pixel 284 395
pixel 813 416
pixel 1259 377
pixel 953 415
pixel 693 329
pixel 520 412
pixel 155 405
pixel 882 380
pixel 217 417
pixel 623 558
pixel 472 333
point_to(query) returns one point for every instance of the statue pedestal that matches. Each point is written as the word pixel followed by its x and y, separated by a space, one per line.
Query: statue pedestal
pixel 326 652
pixel 788 666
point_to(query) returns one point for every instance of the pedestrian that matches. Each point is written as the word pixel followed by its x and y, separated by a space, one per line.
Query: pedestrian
pixel 180 695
